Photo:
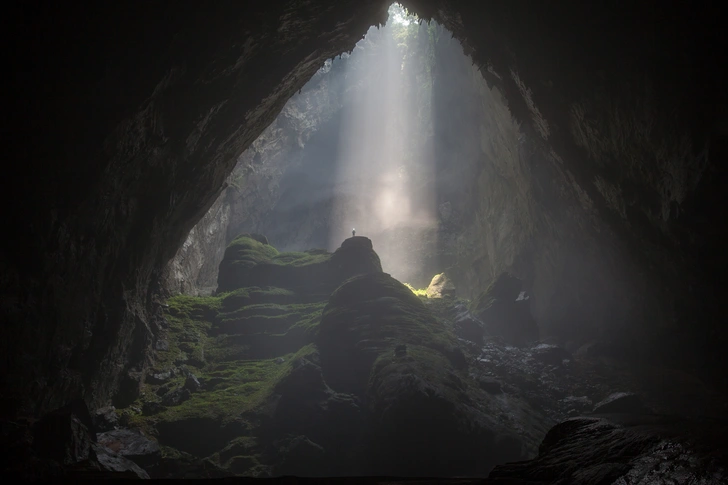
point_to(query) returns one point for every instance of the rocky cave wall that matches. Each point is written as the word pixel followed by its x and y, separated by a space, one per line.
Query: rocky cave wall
pixel 130 117
pixel 252 189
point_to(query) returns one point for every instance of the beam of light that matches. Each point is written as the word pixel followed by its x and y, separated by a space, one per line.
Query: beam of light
pixel 384 186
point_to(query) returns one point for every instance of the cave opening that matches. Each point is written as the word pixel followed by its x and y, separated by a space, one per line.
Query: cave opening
pixel 181 297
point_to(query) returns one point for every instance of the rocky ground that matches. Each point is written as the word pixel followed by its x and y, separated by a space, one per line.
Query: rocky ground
pixel 319 364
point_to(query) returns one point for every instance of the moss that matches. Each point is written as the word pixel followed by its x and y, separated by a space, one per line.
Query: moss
pixel 313 256
pixel 369 316
pixel 421 292
pixel 245 250
pixel 244 387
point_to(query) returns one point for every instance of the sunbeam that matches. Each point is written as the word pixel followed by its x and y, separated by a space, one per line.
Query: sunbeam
pixel 385 147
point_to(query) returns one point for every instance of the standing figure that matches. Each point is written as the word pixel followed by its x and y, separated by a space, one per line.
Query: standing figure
pixel 353 232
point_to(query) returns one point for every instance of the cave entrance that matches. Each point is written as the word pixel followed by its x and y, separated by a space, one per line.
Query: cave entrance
pixel 388 140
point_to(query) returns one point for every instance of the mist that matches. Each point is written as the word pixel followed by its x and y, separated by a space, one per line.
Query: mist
pixel 373 166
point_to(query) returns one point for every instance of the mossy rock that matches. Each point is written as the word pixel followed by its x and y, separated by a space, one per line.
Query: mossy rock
pixel 369 316
pixel 250 263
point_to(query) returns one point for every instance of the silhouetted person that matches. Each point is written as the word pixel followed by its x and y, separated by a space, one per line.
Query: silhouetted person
pixel 353 232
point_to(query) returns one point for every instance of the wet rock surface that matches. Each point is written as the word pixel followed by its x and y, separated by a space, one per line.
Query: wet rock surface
pixel 634 449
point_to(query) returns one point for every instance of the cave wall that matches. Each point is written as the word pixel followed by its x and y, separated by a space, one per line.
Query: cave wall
pixel 121 153
pixel 128 118
pixel 253 187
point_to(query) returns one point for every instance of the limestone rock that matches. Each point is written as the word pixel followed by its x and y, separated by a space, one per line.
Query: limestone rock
pixel 105 464
pixel 176 397
pixel 105 419
pixel 192 384
pixel 440 287
pixel 132 444
pixel 592 451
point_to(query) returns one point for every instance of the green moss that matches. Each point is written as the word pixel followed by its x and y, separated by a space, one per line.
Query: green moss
pixel 382 311
pixel 421 292
pixel 368 317
pixel 245 250
pixel 314 256
pixel 391 374
pixel 244 387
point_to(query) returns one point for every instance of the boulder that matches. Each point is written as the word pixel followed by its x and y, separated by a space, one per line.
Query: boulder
pixel 132 444
pixel 150 408
pixel 505 312
pixel 645 449
pixel 176 397
pixel 621 403
pixel 440 287
pixel 105 419
pixel 192 384
pixel 159 377
pixel 105 464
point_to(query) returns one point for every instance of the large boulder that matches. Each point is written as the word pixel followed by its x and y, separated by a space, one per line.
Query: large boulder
pixel 440 287
pixel 635 449
pixel 504 310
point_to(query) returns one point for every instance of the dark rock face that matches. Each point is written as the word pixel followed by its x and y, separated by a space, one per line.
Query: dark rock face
pixel 505 313
pixel 105 419
pixel 594 451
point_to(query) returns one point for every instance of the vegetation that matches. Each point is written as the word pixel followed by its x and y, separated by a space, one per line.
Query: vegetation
pixel 421 292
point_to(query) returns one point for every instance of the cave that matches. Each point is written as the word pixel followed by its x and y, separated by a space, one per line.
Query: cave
pixel 181 296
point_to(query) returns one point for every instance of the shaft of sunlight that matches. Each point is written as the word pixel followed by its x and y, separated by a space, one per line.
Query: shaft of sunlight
pixel 385 149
